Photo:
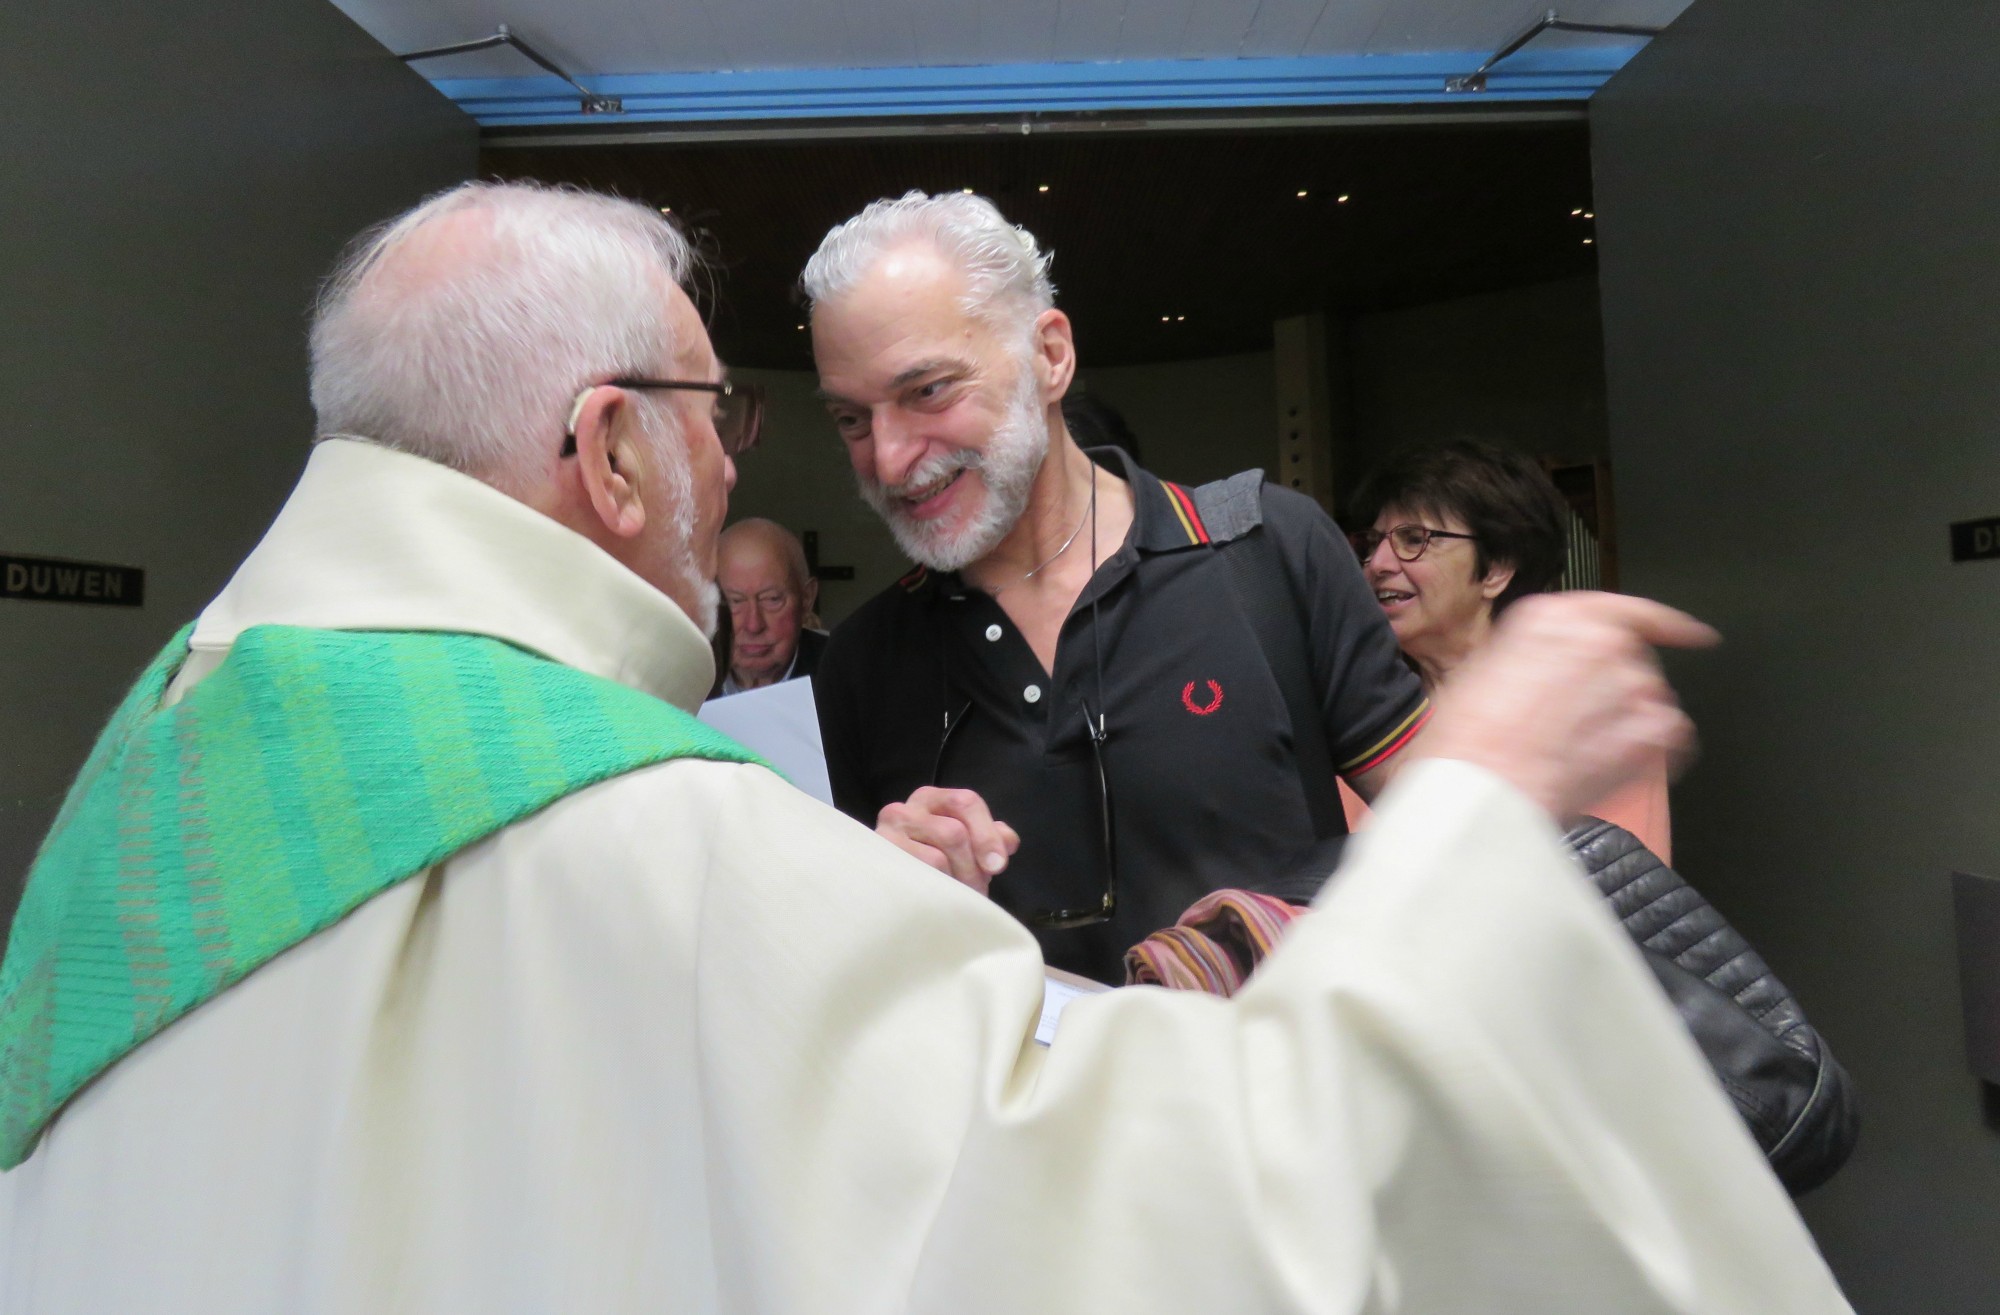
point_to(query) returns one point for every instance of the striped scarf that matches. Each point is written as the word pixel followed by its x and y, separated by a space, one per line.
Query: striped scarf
pixel 308 773
pixel 1214 946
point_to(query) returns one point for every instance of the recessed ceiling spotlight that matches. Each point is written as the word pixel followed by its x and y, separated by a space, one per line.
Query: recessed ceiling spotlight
pixel 1574 213
pixel 1589 215
pixel 666 209
pixel 802 328
pixel 1178 318
pixel 1587 241
pixel 1165 319
pixel 1043 188
pixel 1341 199
pixel 966 190
pixel 1302 194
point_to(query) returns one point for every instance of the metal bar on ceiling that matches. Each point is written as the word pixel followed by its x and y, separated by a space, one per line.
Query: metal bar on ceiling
pixel 1550 21
pixel 592 103
pixel 526 136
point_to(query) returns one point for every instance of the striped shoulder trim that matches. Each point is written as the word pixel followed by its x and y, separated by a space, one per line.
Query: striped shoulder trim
pixel 1389 745
pixel 914 581
pixel 1183 506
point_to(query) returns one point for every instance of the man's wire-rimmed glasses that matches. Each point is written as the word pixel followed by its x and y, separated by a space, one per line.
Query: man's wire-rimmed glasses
pixel 1408 542
pixel 739 410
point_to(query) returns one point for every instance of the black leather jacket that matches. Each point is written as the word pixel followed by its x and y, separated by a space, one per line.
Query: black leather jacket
pixel 1798 1101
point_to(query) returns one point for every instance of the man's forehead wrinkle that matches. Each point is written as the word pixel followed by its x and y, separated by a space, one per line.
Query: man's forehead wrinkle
pixel 931 366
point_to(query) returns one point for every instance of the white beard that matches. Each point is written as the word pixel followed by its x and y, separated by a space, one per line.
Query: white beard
pixel 677 485
pixel 708 608
pixel 1007 467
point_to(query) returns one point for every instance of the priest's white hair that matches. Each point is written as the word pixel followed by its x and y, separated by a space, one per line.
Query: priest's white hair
pixel 462 330
pixel 1006 273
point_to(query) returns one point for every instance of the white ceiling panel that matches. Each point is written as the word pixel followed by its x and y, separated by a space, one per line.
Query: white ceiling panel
pixel 1279 28
pixel 1346 26
pixel 1216 27
pixel 1018 31
pixel 945 30
pixel 884 29
pixel 1414 25
pixel 1090 29
pixel 1152 29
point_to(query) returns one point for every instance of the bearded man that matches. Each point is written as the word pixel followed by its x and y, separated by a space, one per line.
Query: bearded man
pixel 406 946
pixel 1120 693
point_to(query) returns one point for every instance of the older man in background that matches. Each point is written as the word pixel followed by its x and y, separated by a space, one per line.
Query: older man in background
pixel 406 946
pixel 770 594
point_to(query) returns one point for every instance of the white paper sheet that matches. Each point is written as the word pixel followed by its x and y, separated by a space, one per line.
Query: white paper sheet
pixel 1058 990
pixel 781 722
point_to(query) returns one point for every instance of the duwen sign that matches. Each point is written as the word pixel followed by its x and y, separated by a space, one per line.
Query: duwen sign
pixel 52 580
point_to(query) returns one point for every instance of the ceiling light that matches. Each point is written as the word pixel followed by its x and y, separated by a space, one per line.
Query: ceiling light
pixel 1589 215
pixel 802 328
pixel 966 190
pixel 1576 212
pixel 666 209
pixel 1178 318
pixel 1165 318
pixel 1342 198
pixel 1301 193
pixel 1043 188
pixel 1587 241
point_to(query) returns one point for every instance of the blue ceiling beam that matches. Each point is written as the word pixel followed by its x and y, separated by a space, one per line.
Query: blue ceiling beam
pixel 1556 74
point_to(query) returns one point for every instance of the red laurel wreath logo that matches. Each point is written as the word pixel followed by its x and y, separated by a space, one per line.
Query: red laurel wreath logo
pixel 1201 709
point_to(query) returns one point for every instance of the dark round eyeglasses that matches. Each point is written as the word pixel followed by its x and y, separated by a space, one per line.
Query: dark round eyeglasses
pixel 739 410
pixel 1408 542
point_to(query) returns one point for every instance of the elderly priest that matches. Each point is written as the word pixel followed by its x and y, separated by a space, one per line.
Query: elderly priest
pixel 405 946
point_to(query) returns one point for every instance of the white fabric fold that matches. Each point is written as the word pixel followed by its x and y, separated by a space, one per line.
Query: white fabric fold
pixel 691 1041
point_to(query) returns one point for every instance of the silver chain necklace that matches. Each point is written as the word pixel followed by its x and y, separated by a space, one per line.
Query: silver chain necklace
pixel 1050 559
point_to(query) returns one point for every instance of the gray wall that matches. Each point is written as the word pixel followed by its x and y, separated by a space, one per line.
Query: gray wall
pixel 177 177
pixel 1801 295
pixel 1523 367
pixel 1197 420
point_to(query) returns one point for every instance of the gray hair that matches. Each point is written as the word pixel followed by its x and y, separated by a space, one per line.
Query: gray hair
pixel 1006 273
pixel 461 330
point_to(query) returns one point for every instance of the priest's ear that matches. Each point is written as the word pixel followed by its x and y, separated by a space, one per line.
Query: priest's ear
pixel 604 426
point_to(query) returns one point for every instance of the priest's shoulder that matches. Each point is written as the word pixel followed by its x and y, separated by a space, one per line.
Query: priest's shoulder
pixel 683 799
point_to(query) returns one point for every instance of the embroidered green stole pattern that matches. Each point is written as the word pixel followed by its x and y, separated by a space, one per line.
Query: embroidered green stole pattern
pixel 308 773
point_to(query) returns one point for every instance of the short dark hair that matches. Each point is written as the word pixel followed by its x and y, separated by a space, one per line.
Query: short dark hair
pixel 1093 422
pixel 1511 508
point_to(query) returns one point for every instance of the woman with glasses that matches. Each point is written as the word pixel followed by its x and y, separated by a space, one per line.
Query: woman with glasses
pixel 1456 533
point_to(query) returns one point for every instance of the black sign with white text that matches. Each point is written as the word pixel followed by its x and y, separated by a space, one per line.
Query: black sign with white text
pixel 1975 541
pixel 52 580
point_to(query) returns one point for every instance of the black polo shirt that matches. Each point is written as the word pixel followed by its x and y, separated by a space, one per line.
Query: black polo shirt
pixel 1204 787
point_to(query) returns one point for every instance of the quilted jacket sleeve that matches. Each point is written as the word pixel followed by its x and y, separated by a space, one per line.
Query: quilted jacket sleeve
pixel 1796 1098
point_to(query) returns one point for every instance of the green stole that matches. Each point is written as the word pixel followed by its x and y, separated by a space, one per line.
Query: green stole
pixel 308 773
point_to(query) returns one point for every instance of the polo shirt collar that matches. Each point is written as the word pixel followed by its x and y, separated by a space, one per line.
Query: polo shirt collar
pixel 1163 513
pixel 375 539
